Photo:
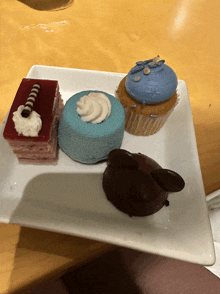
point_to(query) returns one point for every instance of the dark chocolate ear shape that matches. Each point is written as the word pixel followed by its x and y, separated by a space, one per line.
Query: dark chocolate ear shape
pixel 168 180
pixel 122 159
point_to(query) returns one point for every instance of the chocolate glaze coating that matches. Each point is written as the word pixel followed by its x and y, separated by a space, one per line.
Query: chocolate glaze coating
pixel 136 184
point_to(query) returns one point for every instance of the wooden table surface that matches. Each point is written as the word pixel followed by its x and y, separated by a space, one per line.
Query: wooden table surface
pixel 107 36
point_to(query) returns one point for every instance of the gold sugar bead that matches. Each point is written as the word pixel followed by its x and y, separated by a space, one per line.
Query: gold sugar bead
pixel 146 71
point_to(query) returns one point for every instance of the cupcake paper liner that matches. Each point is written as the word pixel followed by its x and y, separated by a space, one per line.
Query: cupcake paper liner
pixel 140 125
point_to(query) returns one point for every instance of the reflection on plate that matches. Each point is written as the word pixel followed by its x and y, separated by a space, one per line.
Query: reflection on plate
pixel 69 198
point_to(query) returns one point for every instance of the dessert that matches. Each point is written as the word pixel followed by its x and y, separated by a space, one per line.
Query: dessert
pixel 148 95
pixel 32 125
pixel 137 185
pixel 91 125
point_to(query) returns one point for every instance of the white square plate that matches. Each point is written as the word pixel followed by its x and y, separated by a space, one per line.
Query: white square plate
pixel 68 197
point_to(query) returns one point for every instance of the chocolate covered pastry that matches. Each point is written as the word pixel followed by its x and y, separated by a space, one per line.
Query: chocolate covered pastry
pixel 137 185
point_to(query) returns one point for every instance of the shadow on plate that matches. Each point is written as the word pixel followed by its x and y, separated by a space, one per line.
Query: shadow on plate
pixel 47 5
pixel 63 198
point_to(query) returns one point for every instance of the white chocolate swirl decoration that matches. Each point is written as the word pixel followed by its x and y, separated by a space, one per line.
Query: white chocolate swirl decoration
pixel 94 107
pixel 28 107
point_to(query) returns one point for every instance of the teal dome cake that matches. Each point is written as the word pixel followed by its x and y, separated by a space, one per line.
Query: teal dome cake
pixel 91 125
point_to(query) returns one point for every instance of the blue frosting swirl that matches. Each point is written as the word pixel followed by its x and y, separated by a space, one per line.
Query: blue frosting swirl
pixel 151 82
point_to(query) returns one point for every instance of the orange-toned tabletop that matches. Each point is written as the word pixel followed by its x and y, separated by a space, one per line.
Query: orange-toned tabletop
pixel 108 36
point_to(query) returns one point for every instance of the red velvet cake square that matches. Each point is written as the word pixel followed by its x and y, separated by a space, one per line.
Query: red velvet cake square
pixel 32 126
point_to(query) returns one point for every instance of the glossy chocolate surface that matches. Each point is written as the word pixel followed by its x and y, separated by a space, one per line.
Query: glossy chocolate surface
pixel 136 184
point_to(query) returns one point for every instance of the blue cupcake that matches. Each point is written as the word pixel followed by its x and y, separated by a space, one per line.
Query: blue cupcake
pixel 148 95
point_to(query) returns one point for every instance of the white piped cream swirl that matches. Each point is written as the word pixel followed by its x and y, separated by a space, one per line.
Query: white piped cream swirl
pixel 94 107
pixel 28 127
